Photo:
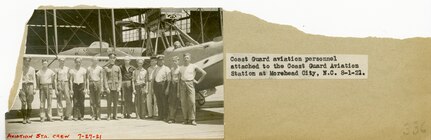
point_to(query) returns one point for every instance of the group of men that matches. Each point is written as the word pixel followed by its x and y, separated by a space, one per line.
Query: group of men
pixel 157 91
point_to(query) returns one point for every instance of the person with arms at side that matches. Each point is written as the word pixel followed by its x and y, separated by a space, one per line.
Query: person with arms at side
pixel 62 73
pixel 47 85
pixel 78 84
pixel 151 98
pixel 95 84
pixel 161 83
pixel 28 89
pixel 112 79
pixel 173 97
pixel 187 89
pixel 127 88
pixel 140 90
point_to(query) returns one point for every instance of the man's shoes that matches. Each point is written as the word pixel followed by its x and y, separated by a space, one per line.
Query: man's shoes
pixel 194 123
pixel 108 118
pixel 61 118
pixel 24 121
pixel 82 118
pixel 92 118
pixel 146 117
pixel 75 119
pixel 97 118
pixel 171 121
pixel 186 122
pixel 28 121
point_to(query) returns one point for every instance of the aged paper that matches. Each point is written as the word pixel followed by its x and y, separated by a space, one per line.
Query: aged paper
pixel 392 103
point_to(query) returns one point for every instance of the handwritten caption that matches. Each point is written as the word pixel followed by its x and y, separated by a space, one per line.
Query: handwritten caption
pixel 286 66
pixel 54 136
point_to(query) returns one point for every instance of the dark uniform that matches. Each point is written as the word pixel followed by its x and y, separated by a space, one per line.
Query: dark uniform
pixel 112 86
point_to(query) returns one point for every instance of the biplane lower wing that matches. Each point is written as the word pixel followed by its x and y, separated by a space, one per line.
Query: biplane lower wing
pixel 36 60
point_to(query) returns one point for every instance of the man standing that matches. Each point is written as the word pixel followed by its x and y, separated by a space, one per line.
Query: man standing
pixel 78 82
pixel 62 73
pixel 173 100
pixel 27 91
pixel 151 98
pixel 112 84
pixel 94 77
pixel 127 96
pixel 47 85
pixel 140 90
pixel 160 85
pixel 187 92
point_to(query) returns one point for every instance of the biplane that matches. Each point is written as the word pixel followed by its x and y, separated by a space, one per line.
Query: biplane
pixel 207 55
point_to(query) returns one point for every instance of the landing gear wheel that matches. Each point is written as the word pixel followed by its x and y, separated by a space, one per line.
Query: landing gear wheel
pixel 201 102
pixel 200 99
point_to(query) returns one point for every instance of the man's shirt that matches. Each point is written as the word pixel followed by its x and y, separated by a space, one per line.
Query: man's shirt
pixel 45 76
pixel 78 75
pixel 62 73
pixel 29 75
pixel 140 76
pixel 94 73
pixel 175 73
pixel 127 72
pixel 113 73
pixel 188 72
pixel 161 73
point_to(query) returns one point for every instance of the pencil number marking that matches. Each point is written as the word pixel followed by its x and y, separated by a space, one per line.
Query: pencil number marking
pixel 414 128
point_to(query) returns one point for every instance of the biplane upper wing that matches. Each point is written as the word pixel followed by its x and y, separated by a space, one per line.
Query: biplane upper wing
pixel 48 57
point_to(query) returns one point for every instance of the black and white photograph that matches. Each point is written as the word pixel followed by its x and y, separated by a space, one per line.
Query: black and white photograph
pixel 112 73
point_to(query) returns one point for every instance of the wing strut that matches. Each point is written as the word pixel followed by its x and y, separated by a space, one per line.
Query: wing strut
pixel 100 31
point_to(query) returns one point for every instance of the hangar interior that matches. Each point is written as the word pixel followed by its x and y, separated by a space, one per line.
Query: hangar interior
pixel 50 31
